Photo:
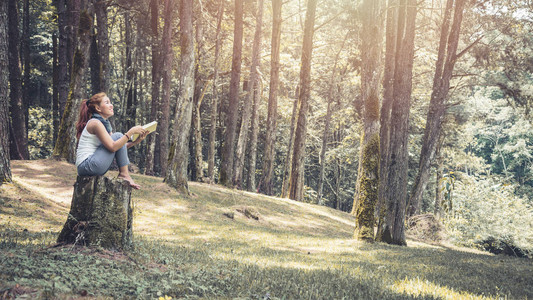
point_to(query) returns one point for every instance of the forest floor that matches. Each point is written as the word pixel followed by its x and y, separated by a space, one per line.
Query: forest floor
pixel 204 246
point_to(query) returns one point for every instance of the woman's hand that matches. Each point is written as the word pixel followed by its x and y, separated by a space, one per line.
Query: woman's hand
pixel 137 130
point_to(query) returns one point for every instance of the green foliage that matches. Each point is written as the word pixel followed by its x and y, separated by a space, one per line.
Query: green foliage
pixel 486 206
pixel 40 132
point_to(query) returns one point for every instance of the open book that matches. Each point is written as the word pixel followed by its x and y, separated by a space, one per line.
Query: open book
pixel 150 127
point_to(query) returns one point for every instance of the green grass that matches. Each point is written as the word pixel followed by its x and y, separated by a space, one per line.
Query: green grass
pixel 185 247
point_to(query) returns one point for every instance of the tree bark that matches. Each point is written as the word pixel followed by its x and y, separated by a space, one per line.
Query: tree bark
pixel 152 153
pixel 288 159
pixel 5 167
pixel 214 99
pixel 266 185
pixel 166 68
pixel 62 56
pixel 55 88
pixel 176 175
pixel 26 59
pixel 249 100
pixel 298 156
pixel 65 147
pixel 226 166
pixel 385 116
pixel 199 92
pixel 394 232
pixel 437 106
pixel 253 139
pixel 102 36
pixel 366 194
pixel 101 214
pixel 19 130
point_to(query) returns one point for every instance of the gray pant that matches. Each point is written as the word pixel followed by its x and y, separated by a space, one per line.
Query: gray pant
pixel 100 161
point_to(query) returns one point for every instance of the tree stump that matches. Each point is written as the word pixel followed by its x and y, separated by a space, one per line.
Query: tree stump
pixel 101 214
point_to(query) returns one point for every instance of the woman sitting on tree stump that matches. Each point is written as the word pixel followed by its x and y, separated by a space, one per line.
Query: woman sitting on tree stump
pixel 97 146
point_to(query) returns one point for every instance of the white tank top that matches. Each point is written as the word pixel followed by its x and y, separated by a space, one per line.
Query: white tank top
pixel 87 145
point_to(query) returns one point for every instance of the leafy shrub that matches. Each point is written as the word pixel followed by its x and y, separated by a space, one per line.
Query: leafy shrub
pixel 40 133
pixel 486 209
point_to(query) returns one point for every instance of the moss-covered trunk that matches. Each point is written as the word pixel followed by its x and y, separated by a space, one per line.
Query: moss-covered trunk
pixel 101 214
pixel 366 194
pixel 65 147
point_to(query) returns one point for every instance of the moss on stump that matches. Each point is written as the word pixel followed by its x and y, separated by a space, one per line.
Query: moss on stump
pixel 101 214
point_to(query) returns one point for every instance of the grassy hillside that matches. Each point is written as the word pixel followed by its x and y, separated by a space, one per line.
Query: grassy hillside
pixel 204 246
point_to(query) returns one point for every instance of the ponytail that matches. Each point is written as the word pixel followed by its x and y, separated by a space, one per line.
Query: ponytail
pixel 84 117
pixel 87 109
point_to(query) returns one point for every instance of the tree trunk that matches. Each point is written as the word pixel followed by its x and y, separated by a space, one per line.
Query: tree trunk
pixel 214 99
pixel 288 159
pixel 18 131
pixel 62 56
pixel 166 68
pixel 102 36
pixel 322 157
pixel 253 138
pixel 26 59
pixel 366 193
pixel 129 109
pixel 101 214
pixel 94 64
pixel 298 156
pixel 176 175
pixel 199 92
pixel 439 97
pixel 152 153
pixel 438 189
pixel 5 168
pixel 266 185
pixel 226 166
pixel 55 89
pixel 385 116
pixel 398 165
pixel 65 147
pixel 249 101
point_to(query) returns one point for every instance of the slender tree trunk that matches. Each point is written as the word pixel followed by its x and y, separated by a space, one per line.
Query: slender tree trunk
pixel 437 106
pixel 94 63
pixel 288 159
pixel 152 155
pixel 55 88
pixel 253 138
pixel 322 157
pixel 5 167
pixel 176 175
pixel 166 68
pixel 385 116
pixel 226 167
pixel 214 99
pixel 65 147
pixel 129 111
pixel 398 165
pixel 366 193
pixel 249 101
pixel 26 59
pixel 102 36
pixel 62 56
pixel 199 93
pixel 438 188
pixel 266 185
pixel 18 131
pixel 73 21
pixel 298 157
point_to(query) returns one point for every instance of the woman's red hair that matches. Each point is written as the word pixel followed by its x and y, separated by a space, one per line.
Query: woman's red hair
pixel 86 111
